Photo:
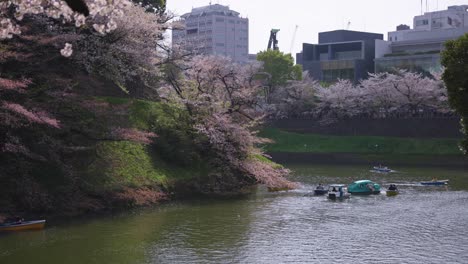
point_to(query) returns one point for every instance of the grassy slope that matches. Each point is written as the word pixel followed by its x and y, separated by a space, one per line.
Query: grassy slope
pixel 310 143
pixel 125 163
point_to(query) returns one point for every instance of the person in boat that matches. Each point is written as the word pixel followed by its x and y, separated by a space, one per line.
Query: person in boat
pixel 320 187
pixel 13 220
pixel 334 189
pixel 392 187
pixel 341 191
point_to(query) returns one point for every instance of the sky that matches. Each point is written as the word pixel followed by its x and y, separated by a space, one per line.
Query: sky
pixel 314 16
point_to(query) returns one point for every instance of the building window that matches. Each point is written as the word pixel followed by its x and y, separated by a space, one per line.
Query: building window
pixel 192 31
pixel 323 56
pixel 218 19
pixel 334 75
pixel 348 55
pixel 437 23
pixel 391 39
pixel 422 22
pixel 449 20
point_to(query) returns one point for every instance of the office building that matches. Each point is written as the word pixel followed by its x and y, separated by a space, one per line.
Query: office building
pixel 419 49
pixel 340 54
pixel 214 29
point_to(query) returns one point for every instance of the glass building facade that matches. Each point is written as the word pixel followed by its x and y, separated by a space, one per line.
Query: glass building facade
pixel 340 54
pixel 414 63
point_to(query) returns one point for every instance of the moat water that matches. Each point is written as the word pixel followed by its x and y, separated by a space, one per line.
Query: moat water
pixel 420 225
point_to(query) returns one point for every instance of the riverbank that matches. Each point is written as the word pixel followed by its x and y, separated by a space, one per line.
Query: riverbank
pixel 442 161
pixel 291 142
pixel 95 173
pixel 290 147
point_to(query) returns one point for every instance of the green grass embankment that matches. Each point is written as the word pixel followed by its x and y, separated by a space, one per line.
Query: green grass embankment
pixel 172 157
pixel 311 143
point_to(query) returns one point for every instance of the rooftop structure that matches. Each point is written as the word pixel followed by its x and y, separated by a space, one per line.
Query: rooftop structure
pixel 418 49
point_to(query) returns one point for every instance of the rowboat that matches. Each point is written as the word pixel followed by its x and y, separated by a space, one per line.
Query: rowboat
pixel 381 169
pixel 435 182
pixel 392 192
pixel 320 190
pixel 338 192
pixel 24 225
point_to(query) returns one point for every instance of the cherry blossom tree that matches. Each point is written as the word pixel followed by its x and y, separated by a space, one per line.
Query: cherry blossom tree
pixel 15 116
pixel 404 92
pixel 101 14
pixel 338 100
pixel 133 52
pixel 221 98
pixel 121 46
pixel 294 99
pixel 383 95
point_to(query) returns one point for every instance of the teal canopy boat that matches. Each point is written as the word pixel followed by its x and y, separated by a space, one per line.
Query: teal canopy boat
pixel 364 187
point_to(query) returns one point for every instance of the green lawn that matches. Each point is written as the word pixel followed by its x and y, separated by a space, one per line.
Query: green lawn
pixel 312 143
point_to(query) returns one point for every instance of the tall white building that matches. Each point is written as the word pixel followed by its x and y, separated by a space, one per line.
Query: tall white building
pixel 449 23
pixel 419 49
pixel 214 29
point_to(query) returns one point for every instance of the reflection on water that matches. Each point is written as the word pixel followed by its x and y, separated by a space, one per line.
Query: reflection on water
pixel 420 225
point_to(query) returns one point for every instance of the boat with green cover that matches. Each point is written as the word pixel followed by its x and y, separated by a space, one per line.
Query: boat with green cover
pixel 364 187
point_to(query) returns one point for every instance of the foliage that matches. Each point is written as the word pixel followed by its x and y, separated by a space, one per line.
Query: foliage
pixel 158 6
pixel 455 61
pixel 63 134
pixel 279 68
pixel 382 95
pixel 220 97
pixel 406 91
pixel 102 14
pixel 294 99
pixel 130 53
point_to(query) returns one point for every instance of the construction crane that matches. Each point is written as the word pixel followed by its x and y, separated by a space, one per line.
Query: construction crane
pixel 273 42
pixel 348 25
pixel 293 39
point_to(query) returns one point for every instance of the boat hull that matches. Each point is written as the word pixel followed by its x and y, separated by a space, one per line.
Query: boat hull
pixel 337 196
pixel 28 225
pixel 392 193
pixel 381 171
pixel 444 182
pixel 320 192
pixel 365 193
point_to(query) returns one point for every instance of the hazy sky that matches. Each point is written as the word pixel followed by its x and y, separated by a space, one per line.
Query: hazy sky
pixel 313 16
